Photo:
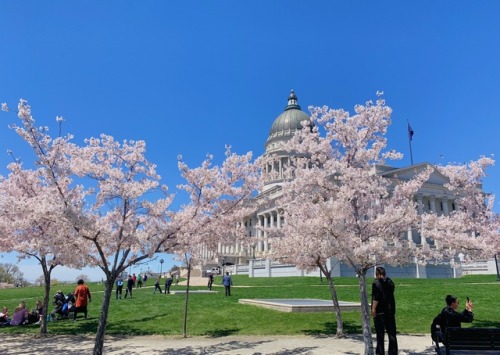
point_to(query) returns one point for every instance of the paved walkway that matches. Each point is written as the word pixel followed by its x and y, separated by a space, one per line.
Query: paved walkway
pixel 244 345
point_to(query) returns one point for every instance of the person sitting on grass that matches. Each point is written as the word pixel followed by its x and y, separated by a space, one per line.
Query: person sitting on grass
pixel 4 316
pixel 20 315
pixel 35 317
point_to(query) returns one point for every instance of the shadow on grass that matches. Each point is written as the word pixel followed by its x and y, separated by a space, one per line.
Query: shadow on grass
pixel 89 326
pixel 331 329
pixel 218 333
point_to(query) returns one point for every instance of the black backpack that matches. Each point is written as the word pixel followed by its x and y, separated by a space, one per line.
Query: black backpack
pixel 437 328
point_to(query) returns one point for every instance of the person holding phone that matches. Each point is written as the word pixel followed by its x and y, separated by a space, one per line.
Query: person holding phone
pixel 452 318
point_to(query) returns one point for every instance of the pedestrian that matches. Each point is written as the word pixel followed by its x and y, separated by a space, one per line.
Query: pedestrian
pixel 130 286
pixel 139 281
pixel 83 298
pixel 168 283
pixel 157 285
pixel 384 311
pixel 145 278
pixel 227 282
pixel 134 278
pixel 210 280
pixel 119 286
pixel 176 279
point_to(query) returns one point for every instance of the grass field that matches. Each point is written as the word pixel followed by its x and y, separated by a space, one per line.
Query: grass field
pixel 418 301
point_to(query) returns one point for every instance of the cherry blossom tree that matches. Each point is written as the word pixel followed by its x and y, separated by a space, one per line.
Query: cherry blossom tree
pixel 472 229
pixel 218 195
pixel 32 223
pixel 100 190
pixel 122 226
pixel 336 205
pixel 34 227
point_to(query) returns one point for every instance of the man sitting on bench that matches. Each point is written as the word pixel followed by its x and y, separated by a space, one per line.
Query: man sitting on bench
pixel 451 318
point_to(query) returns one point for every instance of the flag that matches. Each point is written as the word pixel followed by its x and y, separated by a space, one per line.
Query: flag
pixel 410 132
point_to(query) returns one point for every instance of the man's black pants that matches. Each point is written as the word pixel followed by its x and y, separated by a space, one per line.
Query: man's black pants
pixel 386 322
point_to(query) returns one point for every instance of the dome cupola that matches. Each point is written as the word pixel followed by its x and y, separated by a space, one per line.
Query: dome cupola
pixel 287 123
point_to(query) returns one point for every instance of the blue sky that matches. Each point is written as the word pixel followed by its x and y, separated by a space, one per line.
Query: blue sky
pixel 189 77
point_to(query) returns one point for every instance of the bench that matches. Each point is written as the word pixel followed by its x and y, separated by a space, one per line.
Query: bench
pixel 470 341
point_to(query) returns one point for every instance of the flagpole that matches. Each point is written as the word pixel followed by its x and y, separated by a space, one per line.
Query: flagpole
pixel 411 153
pixel 410 138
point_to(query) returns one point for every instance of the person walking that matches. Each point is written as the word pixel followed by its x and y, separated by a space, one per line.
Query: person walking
pixel 157 285
pixel 168 283
pixel 384 311
pixel 210 281
pixel 119 286
pixel 130 286
pixel 83 298
pixel 227 282
pixel 139 281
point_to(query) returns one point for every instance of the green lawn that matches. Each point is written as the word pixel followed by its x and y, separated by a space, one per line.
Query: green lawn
pixel 418 301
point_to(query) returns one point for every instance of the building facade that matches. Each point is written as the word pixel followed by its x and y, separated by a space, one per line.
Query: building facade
pixel 252 259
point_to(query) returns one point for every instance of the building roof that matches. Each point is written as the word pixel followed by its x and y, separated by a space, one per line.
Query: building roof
pixel 288 122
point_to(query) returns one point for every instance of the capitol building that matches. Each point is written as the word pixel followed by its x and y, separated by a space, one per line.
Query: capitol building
pixel 241 258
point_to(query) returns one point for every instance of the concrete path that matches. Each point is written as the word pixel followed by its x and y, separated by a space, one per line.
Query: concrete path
pixel 244 345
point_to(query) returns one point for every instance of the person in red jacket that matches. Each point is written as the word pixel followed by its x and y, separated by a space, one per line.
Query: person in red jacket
pixel 83 298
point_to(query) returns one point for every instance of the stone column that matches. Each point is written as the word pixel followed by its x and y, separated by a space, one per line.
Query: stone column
pixel 260 233
pixel 446 211
pixel 432 200
pixel 264 240
pixel 410 235
pixel 250 268
pixel 268 268
pixel 420 205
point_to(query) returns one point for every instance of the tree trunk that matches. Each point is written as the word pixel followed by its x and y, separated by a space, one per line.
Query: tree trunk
pixel 46 300
pixel 103 317
pixel 365 314
pixel 184 325
pixel 335 300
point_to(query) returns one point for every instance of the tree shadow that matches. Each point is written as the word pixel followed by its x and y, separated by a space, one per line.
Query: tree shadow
pixel 331 329
pixel 218 333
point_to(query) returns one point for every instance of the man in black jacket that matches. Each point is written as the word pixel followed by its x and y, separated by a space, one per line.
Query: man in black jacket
pixel 384 311
pixel 451 318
